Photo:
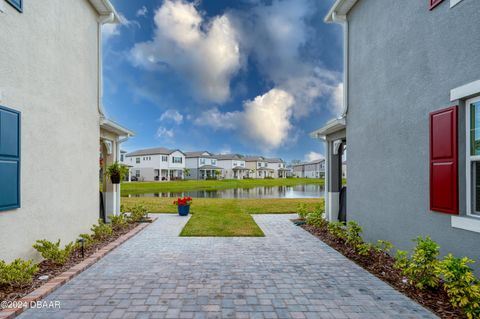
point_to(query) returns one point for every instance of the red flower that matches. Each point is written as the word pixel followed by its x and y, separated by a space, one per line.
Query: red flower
pixel 183 201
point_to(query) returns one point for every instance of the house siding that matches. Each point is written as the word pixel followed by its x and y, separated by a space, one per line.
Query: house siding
pixel 403 62
pixel 52 80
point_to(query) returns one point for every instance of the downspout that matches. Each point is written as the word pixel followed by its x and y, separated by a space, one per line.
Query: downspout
pixel 103 19
pixel 342 19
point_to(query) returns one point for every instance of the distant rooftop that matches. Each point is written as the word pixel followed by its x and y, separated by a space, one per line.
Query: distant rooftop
pixel 153 151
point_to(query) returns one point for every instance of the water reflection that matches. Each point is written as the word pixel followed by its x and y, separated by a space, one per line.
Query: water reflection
pixel 298 191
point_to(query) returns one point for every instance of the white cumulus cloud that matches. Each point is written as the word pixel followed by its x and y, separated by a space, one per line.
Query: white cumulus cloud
pixel 205 52
pixel 163 132
pixel 265 120
pixel 110 30
pixel 172 115
pixel 313 156
pixel 142 12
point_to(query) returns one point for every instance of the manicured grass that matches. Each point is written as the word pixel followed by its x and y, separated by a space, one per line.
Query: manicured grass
pixel 223 217
pixel 185 186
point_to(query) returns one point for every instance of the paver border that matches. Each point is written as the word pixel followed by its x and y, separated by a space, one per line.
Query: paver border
pixel 58 281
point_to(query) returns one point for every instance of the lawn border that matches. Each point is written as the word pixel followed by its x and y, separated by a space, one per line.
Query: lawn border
pixel 58 281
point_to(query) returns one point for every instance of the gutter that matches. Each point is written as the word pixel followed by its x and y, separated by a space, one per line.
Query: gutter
pixel 342 19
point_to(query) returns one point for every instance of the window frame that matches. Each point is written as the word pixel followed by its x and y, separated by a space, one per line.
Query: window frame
pixel 469 159
pixel 17 4
pixel 137 160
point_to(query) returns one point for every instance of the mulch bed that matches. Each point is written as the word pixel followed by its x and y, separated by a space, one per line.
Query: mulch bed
pixel 50 269
pixel 381 265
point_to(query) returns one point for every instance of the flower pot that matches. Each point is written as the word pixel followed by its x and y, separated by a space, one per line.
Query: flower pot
pixel 115 179
pixel 183 210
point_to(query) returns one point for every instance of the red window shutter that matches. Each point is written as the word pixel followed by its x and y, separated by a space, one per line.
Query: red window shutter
pixel 434 3
pixel 443 161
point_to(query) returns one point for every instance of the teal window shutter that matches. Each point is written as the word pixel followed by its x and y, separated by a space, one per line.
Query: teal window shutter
pixel 9 159
pixel 17 4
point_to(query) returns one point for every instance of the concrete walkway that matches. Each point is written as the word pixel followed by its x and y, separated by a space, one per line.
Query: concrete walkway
pixel 287 274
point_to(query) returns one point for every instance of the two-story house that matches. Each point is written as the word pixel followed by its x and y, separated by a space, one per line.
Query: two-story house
pixel 233 165
pixel 202 165
pixel 410 122
pixel 52 124
pixel 157 164
pixel 314 169
pixel 278 166
pixel 258 167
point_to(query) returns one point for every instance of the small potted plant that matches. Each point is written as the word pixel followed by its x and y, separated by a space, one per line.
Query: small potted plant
pixel 117 172
pixel 183 205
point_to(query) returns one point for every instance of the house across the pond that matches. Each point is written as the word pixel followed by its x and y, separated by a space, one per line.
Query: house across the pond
pixel 156 164
pixel 410 122
pixel 52 124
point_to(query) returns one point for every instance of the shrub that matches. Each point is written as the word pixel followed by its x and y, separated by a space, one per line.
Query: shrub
pixel 302 210
pixel 317 217
pixel 401 260
pixel 460 283
pixel 337 229
pixel 137 213
pixel 118 222
pixel 383 246
pixel 18 273
pixel 421 268
pixel 364 249
pixel 52 251
pixel 352 233
pixel 88 240
pixel 101 231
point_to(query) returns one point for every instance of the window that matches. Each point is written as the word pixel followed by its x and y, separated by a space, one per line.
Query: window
pixel 473 156
pixel 177 160
pixel 259 164
pixel 214 162
pixel 202 161
pixel 137 160
pixel 234 164
pixel 121 158
pixel 9 159
pixel 137 173
pixel 17 4
pixel 164 158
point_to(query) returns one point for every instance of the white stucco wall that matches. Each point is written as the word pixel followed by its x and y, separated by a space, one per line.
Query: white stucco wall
pixel 48 71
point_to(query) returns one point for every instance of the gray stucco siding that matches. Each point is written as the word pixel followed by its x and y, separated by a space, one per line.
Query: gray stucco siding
pixel 403 62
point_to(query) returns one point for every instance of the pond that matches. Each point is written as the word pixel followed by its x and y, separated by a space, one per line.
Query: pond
pixel 298 191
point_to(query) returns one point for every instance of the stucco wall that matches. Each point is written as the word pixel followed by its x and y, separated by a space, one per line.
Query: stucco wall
pixel 48 71
pixel 404 60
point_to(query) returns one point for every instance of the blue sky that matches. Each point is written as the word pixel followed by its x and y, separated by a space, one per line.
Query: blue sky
pixel 243 76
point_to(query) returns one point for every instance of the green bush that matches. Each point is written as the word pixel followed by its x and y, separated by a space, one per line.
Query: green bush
pixel 137 213
pixel 460 283
pixel 364 249
pixel 118 222
pixel 52 251
pixel 352 233
pixel 101 231
pixel 302 210
pixel 337 229
pixel 421 267
pixel 18 273
pixel 317 217
pixel 88 240
pixel 383 246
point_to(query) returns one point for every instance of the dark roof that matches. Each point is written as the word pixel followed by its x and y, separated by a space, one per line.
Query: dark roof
pixel 254 158
pixel 274 160
pixel 228 157
pixel 153 151
pixel 240 168
pixel 199 154
pixel 209 167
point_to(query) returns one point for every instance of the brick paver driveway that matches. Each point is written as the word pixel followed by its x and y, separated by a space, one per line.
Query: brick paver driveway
pixel 287 274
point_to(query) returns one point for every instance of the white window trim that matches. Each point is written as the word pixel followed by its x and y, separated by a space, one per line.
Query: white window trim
pixel 465 91
pixel 469 158
pixel 466 223
pixel 453 3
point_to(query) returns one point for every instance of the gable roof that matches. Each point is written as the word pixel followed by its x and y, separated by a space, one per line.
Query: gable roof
pixel 228 157
pixel 199 154
pixel 153 151
pixel 339 8
pixel 254 158
pixel 274 160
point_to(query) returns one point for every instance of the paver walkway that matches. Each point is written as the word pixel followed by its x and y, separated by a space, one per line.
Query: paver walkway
pixel 287 274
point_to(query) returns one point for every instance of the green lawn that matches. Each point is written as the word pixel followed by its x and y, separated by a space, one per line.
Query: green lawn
pixel 194 185
pixel 223 217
